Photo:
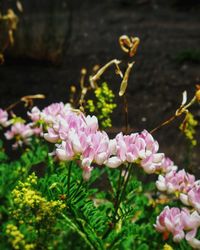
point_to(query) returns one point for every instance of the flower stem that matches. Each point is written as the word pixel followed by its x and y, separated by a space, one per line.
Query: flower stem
pixel 119 198
pixel 129 170
pixel 68 179
pixel 118 188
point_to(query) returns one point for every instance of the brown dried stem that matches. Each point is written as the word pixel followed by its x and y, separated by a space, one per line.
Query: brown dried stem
pixel 28 101
pixel 183 109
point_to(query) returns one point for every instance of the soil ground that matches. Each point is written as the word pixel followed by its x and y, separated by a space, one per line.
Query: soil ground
pixel 167 63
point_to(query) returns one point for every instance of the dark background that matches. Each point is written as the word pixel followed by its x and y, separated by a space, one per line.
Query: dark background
pixel 55 39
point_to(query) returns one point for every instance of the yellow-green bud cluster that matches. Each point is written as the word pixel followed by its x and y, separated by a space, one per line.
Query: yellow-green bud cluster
pixel 189 129
pixel 103 106
pixel 17 119
pixel 30 204
pixel 167 247
pixel 17 239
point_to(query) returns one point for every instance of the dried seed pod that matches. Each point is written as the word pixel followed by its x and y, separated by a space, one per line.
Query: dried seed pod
pixel 124 82
pixel 129 45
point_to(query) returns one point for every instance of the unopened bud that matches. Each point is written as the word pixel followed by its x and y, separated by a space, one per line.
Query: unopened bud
pixel 83 71
pixel 73 89
pixel 96 68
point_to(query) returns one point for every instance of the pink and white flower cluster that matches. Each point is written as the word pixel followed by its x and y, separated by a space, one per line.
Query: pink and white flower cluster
pixel 176 182
pixel 51 114
pixel 183 185
pixel 77 137
pixel 21 132
pixel 141 148
pixel 180 223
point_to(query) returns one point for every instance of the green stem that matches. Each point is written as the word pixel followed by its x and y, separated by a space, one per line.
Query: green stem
pixel 119 199
pixel 76 229
pixel 68 179
pixel 124 183
pixel 115 203
pixel 118 187
pixel 129 168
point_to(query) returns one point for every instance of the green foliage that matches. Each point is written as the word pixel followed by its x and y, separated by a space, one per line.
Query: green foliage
pixel 13 171
pixel 52 211
pixel 135 218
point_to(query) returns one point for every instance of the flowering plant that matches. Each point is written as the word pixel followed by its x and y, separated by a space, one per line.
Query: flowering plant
pixel 74 187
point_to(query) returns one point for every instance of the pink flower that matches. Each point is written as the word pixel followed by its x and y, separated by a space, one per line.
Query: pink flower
pixel 96 149
pixel 113 162
pixel 176 182
pixel 123 149
pixel 190 222
pixel 170 221
pixel 86 173
pixel 20 132
pixel 3 118
pixel 194 197
pixel 180 223
pixel 71 120
pixel 166 166
pixel 34 114
pixel 51 112
pixel 53 109
pixel 91 124
pixel 138 148
pixel 151 146
pixel 77 141
pixel 194 243
pixel 37 131
pixel 64 151
pixel 51 135
pixel 152 162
